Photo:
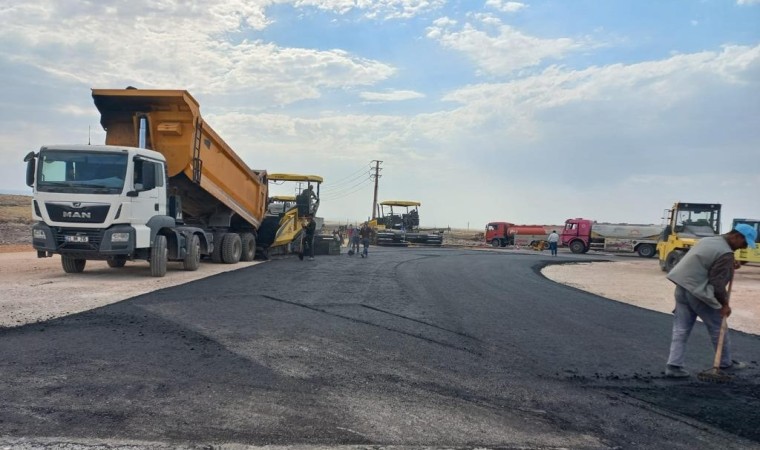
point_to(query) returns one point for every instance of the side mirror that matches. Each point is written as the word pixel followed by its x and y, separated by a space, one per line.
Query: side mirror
pixel 31 166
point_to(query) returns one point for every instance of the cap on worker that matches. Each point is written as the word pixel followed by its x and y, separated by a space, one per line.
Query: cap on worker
pixel 750 234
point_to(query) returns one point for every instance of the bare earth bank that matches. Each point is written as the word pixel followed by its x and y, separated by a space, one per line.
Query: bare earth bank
pixel 640 282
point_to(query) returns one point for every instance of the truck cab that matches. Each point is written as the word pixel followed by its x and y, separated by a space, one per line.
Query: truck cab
pixel 497 234
pixel 98 202
pixel 576 235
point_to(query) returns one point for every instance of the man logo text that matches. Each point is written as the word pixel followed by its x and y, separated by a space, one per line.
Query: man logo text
pixel 76 215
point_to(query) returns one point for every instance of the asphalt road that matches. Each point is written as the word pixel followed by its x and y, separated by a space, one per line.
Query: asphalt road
pixel 412 347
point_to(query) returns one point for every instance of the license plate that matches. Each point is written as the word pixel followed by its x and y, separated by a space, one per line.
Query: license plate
pixel 76 239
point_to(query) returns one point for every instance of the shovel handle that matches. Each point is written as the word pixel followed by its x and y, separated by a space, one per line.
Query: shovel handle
pixel 721 338
pixel 723 327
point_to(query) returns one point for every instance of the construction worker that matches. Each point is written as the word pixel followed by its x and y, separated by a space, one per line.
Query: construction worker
pixel 553 239
pixel 701 278
pixel 309 229
pixel 350 231
pixel 365 234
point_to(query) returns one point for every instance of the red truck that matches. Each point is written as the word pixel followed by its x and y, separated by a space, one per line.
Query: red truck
pixel 582 235
pixel 501 234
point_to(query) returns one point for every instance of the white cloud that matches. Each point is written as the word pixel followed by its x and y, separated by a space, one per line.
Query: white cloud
pixel 390 96
pixel 375 9
pixel 106 44
pixel 505 6
pixel 748 2
pixel 616 141
pixel 500 49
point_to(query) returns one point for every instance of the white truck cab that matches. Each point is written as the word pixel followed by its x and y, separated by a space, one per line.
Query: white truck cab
pixel 100 202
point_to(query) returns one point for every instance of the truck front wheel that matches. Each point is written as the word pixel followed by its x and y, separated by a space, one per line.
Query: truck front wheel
pixel 248 242
pixel 232 248
pixel 158 257
pixel 72 265
pixel 646 250
pixel 577 247
pixel 496 243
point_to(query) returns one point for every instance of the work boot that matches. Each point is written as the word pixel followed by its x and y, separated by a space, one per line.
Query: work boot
pixel 735 365
pixel 675 372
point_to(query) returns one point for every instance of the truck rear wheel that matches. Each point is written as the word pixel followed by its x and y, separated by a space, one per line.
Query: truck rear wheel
pixel 72 265
pixel 577 247
pixel 646 250
pixel 248 249
pixel 158 257
pixel 232 248
pixel 193 256
pixel 216 254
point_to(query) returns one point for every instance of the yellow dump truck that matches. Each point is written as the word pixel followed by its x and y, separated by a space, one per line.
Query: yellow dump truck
pixel 165 187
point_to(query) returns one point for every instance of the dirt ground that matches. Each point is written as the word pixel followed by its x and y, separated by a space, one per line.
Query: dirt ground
pixel 36 289
pixel 640 282
pixel 30 288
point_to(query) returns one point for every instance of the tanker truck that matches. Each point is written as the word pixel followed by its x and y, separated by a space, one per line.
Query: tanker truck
pixel 165 187
pixel 582 235
pixel 501 234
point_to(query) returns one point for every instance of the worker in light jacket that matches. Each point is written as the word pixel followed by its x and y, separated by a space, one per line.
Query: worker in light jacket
pixel 553 240
pixel 701 278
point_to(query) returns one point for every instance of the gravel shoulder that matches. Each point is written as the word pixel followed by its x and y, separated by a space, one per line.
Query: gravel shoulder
pixel 640 282
pixel 35 289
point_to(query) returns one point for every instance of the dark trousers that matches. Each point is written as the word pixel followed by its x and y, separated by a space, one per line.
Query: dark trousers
pixel 308 246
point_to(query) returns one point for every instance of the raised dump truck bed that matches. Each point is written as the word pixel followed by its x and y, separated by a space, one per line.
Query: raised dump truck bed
pixel 203 169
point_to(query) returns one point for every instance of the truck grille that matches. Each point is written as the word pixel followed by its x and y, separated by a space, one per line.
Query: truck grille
pixel 93 239
pixel 85 214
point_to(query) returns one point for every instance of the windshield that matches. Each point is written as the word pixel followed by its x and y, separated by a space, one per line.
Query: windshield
pixel 81 171
pixel 699 222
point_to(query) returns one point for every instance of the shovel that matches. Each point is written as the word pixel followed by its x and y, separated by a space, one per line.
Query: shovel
pixel 714 374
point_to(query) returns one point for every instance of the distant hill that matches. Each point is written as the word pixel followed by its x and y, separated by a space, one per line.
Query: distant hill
pixel 15 208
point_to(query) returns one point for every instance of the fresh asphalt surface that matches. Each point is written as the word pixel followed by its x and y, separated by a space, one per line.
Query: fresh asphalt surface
pixel 412 347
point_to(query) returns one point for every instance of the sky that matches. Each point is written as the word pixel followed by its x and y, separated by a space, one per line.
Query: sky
pixel 483 110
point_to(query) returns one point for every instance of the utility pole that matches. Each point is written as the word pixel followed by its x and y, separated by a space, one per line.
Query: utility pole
pixel 376 176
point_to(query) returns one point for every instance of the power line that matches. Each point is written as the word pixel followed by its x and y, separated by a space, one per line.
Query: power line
pixel 351 177
pixel 338 186
pixel 346 191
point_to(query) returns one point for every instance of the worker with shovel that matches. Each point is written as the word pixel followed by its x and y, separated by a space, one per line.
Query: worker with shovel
pixel 701 278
